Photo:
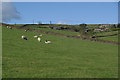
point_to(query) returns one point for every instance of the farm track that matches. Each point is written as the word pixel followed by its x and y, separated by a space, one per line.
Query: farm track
pixel 76 37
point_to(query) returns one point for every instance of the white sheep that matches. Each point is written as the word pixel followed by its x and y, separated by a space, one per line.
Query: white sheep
pixel 48 42
pixel 26 30
pixel 10 27
pixel 39 39
pixel 40 35
pixel 24 37
pixel 35 36
pixel 7 26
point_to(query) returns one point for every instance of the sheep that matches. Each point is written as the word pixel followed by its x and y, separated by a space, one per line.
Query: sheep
pixel 35 36
pixel 26 30
pixel 10 27
pixel 39 39
pixel 47 42
pixel 7 26
pixel 24 37
pixel 40 35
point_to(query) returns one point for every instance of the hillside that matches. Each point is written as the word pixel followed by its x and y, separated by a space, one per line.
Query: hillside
pixel 65 58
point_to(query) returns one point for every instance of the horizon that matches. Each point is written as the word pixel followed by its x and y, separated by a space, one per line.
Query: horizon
pixel 51 24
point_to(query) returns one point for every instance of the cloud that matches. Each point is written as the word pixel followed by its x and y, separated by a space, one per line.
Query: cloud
pixel 9 12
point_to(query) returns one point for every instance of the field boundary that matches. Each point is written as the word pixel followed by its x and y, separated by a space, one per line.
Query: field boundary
pixel 77 37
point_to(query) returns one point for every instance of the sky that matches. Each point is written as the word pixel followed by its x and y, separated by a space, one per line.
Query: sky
pixel 64 12
pixel 119 12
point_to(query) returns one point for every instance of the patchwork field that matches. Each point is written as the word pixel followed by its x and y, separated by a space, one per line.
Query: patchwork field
pixel 64 58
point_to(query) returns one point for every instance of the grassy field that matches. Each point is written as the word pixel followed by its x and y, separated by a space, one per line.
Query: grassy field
pixel 65 58
pixel 66 32
pixel 106 33
pixel 107 37
pixel 110 38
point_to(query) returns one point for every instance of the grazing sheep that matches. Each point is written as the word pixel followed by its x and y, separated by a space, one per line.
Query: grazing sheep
pixel 40 35
pixel 24 37
pixel 26 30
pixel 10 27
pixel 35 36
pixel 7 26
pixel 47 42
pixel 39 39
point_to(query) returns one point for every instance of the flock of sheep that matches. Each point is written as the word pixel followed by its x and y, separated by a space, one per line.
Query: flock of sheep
pixel 38 37
pixel 9 27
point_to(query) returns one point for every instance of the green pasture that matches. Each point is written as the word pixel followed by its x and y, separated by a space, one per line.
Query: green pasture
pixel 64 58
pixel 107 36
pixel 106 33
pixel 110 38
pixel 65 32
